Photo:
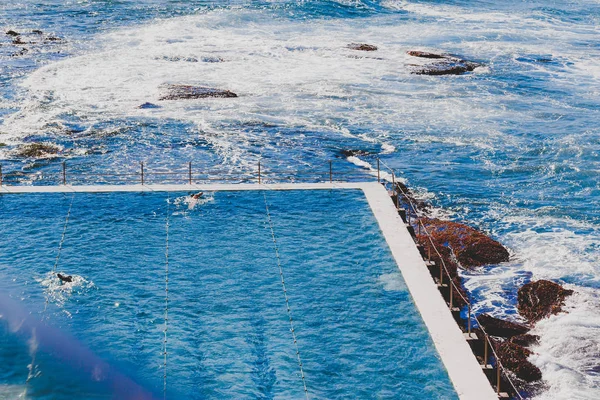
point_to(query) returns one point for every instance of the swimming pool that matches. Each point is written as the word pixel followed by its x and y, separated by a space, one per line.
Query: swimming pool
pixel 358 332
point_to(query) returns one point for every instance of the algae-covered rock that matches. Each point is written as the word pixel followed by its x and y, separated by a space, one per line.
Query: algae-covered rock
pixel 183 92
pixel 540 299
pixel 499 327
pixel 362 47
pixel 37 150
pixel 471 247
pixel 514 358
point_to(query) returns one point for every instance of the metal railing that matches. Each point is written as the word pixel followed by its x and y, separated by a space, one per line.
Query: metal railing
pixel 144 175
pixel 500 369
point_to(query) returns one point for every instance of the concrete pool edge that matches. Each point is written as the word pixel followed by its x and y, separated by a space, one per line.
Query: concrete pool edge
pixel 464 371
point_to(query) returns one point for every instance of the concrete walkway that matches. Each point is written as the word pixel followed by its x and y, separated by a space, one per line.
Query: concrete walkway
pixel 464 370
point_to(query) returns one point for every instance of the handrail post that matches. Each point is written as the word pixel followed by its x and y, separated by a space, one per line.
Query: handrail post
pixel 485 350
pixel 142 171
pixel 441 274
pixel 451 286
pixel 0 175
pixel 259 177
pixel 64 172
pixel 190 172
pixel 330 172
pixel 469 321
pixel 378 173
pixel 497 376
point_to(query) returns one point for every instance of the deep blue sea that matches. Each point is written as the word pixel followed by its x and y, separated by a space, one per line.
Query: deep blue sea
pixel 512 148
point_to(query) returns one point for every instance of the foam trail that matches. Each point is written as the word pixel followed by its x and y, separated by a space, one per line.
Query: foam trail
pixel 69 351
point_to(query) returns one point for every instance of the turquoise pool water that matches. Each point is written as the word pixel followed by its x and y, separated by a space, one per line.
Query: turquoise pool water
pixel 358 332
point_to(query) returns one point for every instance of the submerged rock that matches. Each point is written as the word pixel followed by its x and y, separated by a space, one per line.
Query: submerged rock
pixel 12 33
pixel 148 106
pixel 180 92
pixel 37 150
pixel 540 299
pixel 37 32
pixel 514 358
pixel 499 327
pixel 472 248
pixel 362 47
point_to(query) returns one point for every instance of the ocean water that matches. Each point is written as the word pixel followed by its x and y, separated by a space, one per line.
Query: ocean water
pixel 512 148
pixel 228 332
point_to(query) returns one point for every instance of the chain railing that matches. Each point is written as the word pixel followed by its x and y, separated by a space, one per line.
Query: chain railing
pixel 500 369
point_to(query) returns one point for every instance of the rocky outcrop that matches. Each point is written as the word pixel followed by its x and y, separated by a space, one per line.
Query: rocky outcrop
pixel 12 33
pixel 446 64
pixel 362 47
pixel 472 248
pixel 540 299
pixel 499 327
pixel 37 150
pixel 184 92
pixel 525 340
pixel 424 54
pixel 354 152
pixel 514 358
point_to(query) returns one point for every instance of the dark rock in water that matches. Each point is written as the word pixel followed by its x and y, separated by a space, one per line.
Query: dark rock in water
pixel 540 299
pixel 37 150
pixel 12 33
pixel 18 41
pixel 19 53
pixel 148 106
pixel 447 68
pixel 424 54
pixel 354 153
pixel 52 39
pixel 525 340
pixel 362 47
pixel 499 327
pixel 471 247
pixel 180 92
pixel 65 278
pixel 208 59
pixel 37 32
pixel 448 64
pixel 514 358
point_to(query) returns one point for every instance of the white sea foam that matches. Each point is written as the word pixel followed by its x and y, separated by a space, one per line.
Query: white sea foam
pixel 392 282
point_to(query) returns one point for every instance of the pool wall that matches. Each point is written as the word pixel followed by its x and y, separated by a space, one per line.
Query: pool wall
pixel 463 369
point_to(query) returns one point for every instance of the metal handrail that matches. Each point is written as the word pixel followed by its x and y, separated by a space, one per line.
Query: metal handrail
pixel 487 340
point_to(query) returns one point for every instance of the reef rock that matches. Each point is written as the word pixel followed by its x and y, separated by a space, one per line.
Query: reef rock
pixel 540 299
pixel 525 340
pixel 514 358
pixel 181 92
pixel 424 54
pixel 354 152
pixel 471 247
pixel 362 47
pixel 447 64
pixel 37 150
pixel 12 33
pixel 499 327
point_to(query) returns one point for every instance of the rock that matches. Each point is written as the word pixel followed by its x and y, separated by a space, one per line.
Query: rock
pixel 18 41
pixel 53 39
pixel 37 150
pixel 362 47
pixel 446 68
pixel 37 32
pixel 180 92
pixel 514 358
pixel 540 299
pixel 499 327
pixel 209 59
pixel 19 53
pixel 424 54
pixel 354 153
pixel 471 247
pixel 12 33
pixel 525 340
pixel 65 278
pixel 148 106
